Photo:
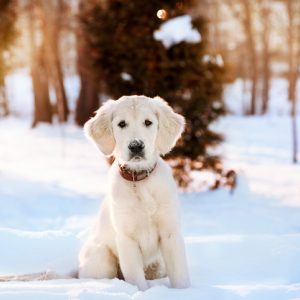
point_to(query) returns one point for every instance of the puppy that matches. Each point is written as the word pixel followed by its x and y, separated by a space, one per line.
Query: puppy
pixel 138 227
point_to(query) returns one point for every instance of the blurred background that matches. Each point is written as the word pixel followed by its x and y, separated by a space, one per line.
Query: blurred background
pixel 231 67
pixel 61 59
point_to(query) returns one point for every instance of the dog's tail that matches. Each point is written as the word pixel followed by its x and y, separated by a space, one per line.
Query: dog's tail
pixel 39 276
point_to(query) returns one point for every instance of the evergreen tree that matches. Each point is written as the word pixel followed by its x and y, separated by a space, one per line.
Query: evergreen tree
pixel 129 60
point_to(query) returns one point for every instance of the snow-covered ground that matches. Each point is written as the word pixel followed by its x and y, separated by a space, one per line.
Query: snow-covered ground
pixel 244 245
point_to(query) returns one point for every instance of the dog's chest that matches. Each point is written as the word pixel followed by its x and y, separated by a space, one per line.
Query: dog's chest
pixel 144 201
pixel 147 220
pixel 140 208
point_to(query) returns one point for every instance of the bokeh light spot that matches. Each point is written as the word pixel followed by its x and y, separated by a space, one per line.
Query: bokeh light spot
pixel 162 14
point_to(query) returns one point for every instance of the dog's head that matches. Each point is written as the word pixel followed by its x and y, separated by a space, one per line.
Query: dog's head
pixel 135 129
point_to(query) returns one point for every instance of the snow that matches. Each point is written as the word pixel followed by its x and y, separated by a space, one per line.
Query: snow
pixel 21 244
pixel 240 245
pixel 177 30
pixel 126 76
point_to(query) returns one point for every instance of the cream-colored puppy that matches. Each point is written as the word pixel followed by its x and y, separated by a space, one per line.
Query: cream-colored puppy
pixel 138 226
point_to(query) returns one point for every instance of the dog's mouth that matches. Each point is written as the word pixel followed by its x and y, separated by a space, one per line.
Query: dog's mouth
pixel 137 158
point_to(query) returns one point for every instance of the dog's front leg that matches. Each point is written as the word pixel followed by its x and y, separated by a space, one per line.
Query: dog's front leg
pixel 131 261
pixel 173 251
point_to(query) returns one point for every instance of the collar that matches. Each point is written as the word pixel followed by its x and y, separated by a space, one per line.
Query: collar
pixel 135 175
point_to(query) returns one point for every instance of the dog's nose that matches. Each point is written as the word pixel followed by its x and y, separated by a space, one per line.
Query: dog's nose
pixel 136 146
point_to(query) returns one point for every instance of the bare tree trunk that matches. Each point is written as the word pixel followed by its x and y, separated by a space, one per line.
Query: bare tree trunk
pixel 248 26
pixel 294 61
pixel 265 15
pixel 52 11
pixel 292 77
pixel 295 132
pixel 88 100
pixel 4 109
pixel 42 105
pixel 7 33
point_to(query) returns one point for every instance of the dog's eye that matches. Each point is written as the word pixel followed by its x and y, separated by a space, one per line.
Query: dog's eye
pixel 148 123
pixel 122 124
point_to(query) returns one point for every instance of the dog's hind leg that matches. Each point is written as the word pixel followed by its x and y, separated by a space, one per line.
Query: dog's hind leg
pixel 97 262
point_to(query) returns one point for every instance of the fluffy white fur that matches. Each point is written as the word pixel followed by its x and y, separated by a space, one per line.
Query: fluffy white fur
pixel 138 226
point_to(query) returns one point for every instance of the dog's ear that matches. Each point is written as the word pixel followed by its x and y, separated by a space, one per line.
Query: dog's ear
pixel 99 128
pixel 170 126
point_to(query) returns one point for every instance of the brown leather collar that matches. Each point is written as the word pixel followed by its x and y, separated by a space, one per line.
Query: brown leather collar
pixel 135 175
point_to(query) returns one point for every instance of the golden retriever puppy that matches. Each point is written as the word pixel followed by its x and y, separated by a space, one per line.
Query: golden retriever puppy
pixel 138 227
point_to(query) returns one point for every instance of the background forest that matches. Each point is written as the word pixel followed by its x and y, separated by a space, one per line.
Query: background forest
pixel 231 67
pixel 73 55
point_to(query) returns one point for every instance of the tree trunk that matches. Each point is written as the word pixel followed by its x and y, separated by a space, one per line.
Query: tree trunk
pixel 42 105
pixel 265 15
pixel 248 27
pixel 292 74
pixel 7 32
pixel 294 132
pixel 294 61
pixel 4 109
pixel 87 102
pixel 52 11
pixel 266 82
pixel 88 99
